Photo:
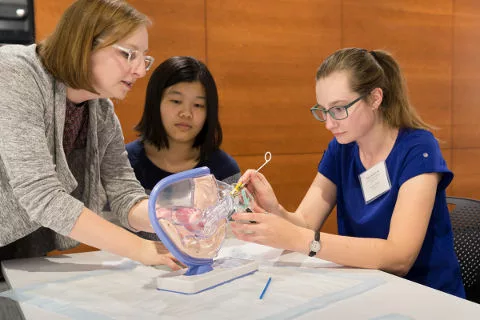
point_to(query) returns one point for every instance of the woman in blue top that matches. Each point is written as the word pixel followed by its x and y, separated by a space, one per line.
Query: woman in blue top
pixel 180 129
pixel 383 170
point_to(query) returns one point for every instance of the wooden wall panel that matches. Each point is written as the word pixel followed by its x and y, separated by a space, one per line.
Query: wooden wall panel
pixel 264 55
pixel 290 176
pixel 419 35
pixel 466 99
pixel 178 29
pixel 47 14
pixel 466 75
pixel 467 173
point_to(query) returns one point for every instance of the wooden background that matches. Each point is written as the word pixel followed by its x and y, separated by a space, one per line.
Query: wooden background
pixel 264 54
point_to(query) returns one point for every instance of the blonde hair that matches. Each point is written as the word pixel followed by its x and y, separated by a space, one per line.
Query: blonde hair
pixel 376 69
pixel 66 52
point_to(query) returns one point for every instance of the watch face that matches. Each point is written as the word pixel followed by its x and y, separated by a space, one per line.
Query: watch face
pixel 314 246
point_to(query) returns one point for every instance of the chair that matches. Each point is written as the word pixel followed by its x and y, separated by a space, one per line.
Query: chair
pixel 465 219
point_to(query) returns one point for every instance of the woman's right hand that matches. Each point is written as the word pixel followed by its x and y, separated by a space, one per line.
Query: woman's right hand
pixel 262 192
pixel 154 253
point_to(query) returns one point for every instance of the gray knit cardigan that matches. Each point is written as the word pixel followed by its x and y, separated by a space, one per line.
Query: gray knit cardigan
pixel 36 183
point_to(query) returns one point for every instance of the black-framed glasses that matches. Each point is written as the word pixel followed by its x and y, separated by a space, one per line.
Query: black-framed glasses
pixel 337 113
pixel 132 56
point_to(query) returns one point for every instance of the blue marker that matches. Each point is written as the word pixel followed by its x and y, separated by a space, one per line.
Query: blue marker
pixel 265 288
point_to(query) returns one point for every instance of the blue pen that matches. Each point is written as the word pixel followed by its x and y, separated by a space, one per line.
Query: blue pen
pixel 265 288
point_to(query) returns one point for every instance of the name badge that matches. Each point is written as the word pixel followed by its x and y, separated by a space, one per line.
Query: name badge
pixel 375 182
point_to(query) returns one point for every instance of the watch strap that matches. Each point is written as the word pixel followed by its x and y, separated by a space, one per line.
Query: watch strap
pixel 316 238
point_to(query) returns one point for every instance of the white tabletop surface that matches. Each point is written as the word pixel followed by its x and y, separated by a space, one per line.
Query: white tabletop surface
pixel 99 285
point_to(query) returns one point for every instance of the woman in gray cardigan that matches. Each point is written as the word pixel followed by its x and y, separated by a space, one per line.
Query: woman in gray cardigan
pixel 62 154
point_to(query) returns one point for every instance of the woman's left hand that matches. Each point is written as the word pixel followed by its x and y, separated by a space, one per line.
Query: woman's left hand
pixel 267 229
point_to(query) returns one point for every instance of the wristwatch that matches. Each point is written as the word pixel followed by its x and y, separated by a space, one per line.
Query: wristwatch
pixel 315 244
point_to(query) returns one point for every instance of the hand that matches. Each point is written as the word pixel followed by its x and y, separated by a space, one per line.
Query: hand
pixel 262 191
pixel 155 253
pixel 270 230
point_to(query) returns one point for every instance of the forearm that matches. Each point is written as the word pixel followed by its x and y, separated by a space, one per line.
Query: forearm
pixel 95 231
pixel 138 217
pixel 368 253
pixel 298 219
pixel 293 217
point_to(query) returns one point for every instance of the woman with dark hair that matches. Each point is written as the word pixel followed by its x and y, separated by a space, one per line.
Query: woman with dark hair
pixel 179 128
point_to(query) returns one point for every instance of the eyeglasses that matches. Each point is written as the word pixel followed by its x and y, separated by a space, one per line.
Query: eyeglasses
pixel 132 56
pixel 337 113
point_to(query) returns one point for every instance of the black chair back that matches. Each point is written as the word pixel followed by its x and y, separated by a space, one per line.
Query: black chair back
pixel 465 217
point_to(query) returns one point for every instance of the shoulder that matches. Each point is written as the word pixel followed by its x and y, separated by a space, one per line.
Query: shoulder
pixel 21 68
pixel 418 152
pixel 413 141
pixel 222 164
pixel 416 136
pixel 17 56
pixel 220 156
pixel 135 149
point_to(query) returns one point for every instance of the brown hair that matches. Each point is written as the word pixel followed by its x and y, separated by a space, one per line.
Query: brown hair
pixel 376 69
pixel 66 52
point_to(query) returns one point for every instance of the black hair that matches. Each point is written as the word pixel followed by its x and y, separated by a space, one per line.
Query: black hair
pixel 168 73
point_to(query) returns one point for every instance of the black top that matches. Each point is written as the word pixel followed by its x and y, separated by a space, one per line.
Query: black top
pixel 221 165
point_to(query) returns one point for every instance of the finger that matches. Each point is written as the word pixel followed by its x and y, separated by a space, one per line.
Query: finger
pixel 178 262
pixel 243 217
pixel 171 263
pixel 238 233
pixel 246 228
pixel 261 178
pixel 255 238
pixel 257 183
pixel 251 188
pixel 249 216
pixel 247 176
pixel 241 235
pixel 258 179
pixel 256 207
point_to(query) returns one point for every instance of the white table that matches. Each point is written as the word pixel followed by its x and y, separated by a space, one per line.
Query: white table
pixel 99 285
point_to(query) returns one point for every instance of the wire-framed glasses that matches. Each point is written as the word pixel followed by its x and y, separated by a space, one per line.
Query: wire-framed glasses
pixel 337 113
pixel 132 55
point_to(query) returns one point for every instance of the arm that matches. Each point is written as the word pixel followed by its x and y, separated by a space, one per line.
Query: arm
pixel 26 116
pixel 138 217
pixel 95 231
pixel 316 205
pixel 126 196
pixel 396 254
pixel 312 211
pixel 408 227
